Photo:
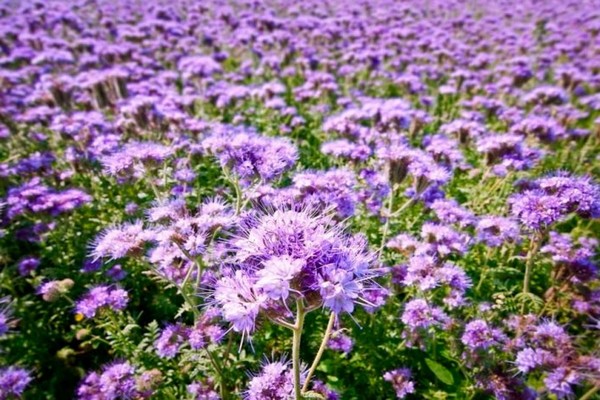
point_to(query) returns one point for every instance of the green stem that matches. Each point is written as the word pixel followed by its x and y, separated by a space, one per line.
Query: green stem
pixel 534 246
pixel 386 227
pixel 238 196
pixel 300 314
pixel 408 203
pixel 320 352
pixel 485 270
pixel 590 393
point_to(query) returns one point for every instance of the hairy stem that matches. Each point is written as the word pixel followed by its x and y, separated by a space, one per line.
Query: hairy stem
pixel 388 217
pixel 320 352
pixel 590 393
pixel 534 246
pixel 300 314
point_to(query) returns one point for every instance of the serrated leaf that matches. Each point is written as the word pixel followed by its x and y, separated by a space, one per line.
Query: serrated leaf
pixel 441 372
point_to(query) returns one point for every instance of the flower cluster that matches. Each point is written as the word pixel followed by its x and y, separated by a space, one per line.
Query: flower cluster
pixel 101 297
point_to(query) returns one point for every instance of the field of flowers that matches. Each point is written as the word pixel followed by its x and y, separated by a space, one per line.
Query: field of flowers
pixel 343 199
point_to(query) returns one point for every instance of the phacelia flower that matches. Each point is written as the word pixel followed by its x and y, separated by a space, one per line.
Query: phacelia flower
pixel 101 297
pixel 13 381
pixel 401 381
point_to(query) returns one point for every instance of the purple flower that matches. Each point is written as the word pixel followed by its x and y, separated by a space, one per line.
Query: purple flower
pixel 401 381
pixel 576 256
pixel 445 151
pixel 101 297
pixel 274 279
pixel 325 189
pixel 536 210
pixel 28 265
pixel 121 241
pixel 132 159
pixel 249 155
pixel 494 231
pixel 205 331
pixel 171 339
pixel 529 359
pixel 419 314
pixel 340 342
pixel 577 194
pixel 450 212
pixel 13 381
pixel 442 240
pixel 117 381
pixel 560 381
pixel 203 391
pixel 275 382
pixel 479 335
pixel 238 301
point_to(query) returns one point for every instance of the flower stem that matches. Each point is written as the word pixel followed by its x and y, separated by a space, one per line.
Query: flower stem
pixel 534 246
pixel 300 314
pixel 386 227
pixel 590 393
pixel 320 352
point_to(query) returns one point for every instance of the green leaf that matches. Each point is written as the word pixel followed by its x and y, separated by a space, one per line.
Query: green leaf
pixel 440 371
pixel 313 395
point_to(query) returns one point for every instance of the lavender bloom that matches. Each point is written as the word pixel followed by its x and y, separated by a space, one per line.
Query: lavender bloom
pixel 576 257
pixel 479 335
pixel 464 130
pixel 28 265
pixel 494 231
pixel 422 272
pixel 239 302
pixel 275 382
pixel 560 381
pixel 325 189
pixel 401 381
pixel 343 148
pixel 297 253
pixel 340 342
pixel 536 210
pixel 547 130
pixel 445 151
pixel 35 198
pixel 577 194
pixel 404 243
pixel 529 359
pixel 205 331
pixel 419 314
pixel 506 152
pixel 552 198
pixel 13 381
pixel 274 279
pixel 198 66
pixel 203 391
pixel 504 387
pixel 133 159
pixel 546 95
pixel 170 340
pixel 441 240
pixel 117 381
pixel 250 156
pixel 320 388
pixel 121 241
pixel 450 212
pixel 101 297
